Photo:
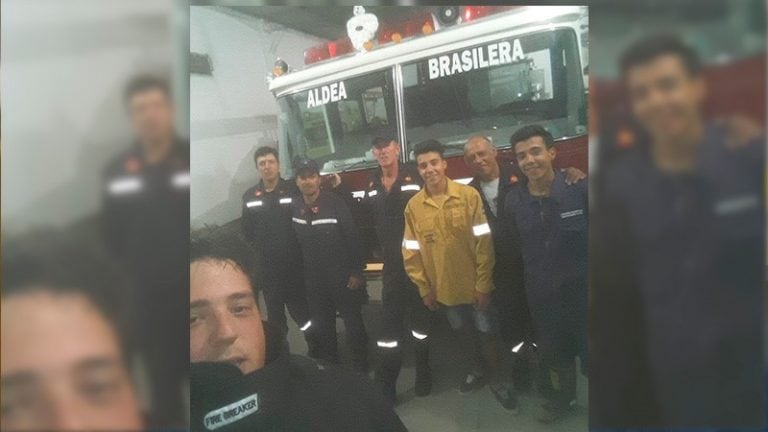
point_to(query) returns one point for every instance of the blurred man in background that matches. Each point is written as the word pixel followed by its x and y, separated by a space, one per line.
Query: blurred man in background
pixel 678 258
pixel 63 358
pixel 146 225
pixel 243 378
pixel 266 224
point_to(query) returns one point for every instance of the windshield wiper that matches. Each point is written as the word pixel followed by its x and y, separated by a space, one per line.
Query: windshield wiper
pixel 359 163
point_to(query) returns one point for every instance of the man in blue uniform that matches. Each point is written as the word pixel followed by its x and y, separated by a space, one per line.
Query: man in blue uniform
pixel 678 256
pixel 547 217
pixel 333 265
pixel 391 186
pixel 266 224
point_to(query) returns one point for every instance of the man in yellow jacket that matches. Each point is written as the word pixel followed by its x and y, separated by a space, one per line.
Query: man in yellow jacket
pixel 448 254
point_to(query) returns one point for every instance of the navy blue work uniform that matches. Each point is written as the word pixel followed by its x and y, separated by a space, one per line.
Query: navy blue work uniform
pixel 331 252
pixel 552 234
pixel 677 292
pixel 405 315
pixel 145 216
pixel 266 223
pixel 400 297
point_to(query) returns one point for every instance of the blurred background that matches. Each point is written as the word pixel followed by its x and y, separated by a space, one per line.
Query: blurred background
pixel 64 66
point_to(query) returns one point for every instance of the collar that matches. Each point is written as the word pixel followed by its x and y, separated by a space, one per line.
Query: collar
pixel 280 183
pixel 177 158
pixel 558 184
pixel 453 190
pixel 402 174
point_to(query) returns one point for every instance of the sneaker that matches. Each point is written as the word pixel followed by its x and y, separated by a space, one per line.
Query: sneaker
pixel 423 381
pixel 549 405
pixel 506 397
pixel 472 382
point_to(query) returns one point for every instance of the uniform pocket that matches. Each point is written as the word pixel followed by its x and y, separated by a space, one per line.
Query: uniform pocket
pixel 458 219
pixel 573 220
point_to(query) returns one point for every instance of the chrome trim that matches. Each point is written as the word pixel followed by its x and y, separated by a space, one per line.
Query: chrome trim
pixel 397 80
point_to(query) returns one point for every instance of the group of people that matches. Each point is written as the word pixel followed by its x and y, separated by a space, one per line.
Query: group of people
pixel 504 257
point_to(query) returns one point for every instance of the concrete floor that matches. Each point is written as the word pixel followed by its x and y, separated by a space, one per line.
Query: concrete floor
pixel 445 409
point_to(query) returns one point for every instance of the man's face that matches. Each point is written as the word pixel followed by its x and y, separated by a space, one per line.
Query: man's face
pixel 387 155
pixel 308 183
pixel 268 167
pixel 431 168
pixel 224 320
pixel 152 115
pixel 665 98
pixel 480 157
pixel 534 158
pixel 62 367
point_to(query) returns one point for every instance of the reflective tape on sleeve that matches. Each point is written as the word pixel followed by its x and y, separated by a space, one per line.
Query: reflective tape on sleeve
pixel 125 185
pixel 181 180
pixel 410 187
pixel 286 200
pixel 255 203
pixel 481 229
pixel 324 221
pixel 417 335
pixel 411 244
pixel 300 221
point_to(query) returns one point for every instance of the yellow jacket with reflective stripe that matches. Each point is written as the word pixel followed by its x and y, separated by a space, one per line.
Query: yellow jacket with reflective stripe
pixel 447 248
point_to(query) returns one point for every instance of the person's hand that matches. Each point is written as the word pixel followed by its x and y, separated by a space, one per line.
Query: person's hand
pixel 430 301
pixel 335 180
pixel 482 300
pixel 356 282
pixel 573 175
pixel 742 131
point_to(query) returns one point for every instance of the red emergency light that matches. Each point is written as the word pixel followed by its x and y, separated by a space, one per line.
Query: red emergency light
pixel 472 13
pixel 327 50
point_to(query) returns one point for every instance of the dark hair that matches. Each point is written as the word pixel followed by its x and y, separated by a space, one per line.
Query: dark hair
pixel 650 48
pixel 142 83
pixel 380 140
pixel 220 244
pixel 58 263
pixel 428 146
pixel 531 131
pixel 263 151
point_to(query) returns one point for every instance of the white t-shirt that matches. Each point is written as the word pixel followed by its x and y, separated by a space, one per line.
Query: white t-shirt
pixel 491 192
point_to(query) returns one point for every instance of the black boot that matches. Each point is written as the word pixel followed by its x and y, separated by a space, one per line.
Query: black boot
pixel 388 371
pixel 564 398
pixel 313 344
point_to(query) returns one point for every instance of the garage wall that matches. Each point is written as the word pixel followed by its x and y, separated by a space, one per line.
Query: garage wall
pixel 232 111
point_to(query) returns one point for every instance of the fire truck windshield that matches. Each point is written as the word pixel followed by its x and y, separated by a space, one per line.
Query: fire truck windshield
pixel 491 88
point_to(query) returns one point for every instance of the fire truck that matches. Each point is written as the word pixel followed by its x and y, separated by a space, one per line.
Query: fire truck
pixel 446 75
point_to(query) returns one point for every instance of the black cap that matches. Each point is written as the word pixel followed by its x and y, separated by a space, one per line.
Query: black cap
pixel 381 142
pixel 303 164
